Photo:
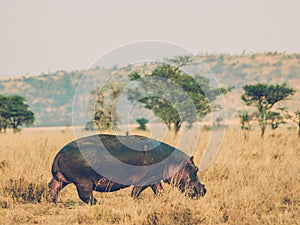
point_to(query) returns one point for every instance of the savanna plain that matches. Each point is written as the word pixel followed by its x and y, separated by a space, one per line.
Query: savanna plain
pixel 251 181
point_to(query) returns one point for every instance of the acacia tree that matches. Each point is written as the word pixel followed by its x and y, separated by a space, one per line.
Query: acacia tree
pixel 14 112
pixel 264 97
pixel 165 103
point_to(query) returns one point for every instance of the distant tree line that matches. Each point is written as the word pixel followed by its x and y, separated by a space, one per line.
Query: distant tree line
pixel 14 112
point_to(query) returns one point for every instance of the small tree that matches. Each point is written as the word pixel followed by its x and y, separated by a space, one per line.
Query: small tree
pixel 264 97
pixel 245 120
pixel 295 117
pixel 90 125
pixel 14 112
pixel 297 120
pixel 275 119
pixel 104 107
pixel 219 122
pixel 142 123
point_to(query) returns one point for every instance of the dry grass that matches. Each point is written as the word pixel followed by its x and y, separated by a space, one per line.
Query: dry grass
pixel 254 182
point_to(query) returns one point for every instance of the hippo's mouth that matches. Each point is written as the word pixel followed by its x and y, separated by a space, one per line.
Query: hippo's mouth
pixel 202 191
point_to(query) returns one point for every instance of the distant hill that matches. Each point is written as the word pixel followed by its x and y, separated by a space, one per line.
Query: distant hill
pixel 50 96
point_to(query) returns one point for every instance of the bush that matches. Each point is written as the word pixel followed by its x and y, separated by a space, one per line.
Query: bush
pixel 142 123
pixel 23 191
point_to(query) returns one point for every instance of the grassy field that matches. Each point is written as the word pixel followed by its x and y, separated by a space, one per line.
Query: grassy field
pixel 250 182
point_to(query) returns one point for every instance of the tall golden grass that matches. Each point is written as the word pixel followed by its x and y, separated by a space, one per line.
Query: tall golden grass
pixel 250 182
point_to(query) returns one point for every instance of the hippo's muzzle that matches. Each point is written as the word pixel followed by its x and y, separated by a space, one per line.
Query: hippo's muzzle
pixel 196 190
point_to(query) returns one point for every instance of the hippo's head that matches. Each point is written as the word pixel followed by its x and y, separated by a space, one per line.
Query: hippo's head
pixel 188 181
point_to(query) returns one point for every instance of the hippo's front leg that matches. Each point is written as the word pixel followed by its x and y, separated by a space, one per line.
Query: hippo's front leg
pixel 136 191
pixel 157 189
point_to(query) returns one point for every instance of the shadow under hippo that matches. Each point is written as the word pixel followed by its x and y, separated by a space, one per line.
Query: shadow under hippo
pixel 108 163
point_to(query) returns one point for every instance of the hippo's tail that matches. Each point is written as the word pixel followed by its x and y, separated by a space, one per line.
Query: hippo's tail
pixel 55 166
pixel 56 170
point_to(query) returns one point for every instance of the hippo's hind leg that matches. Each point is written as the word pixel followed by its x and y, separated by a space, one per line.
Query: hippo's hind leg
pixel 55 187
pixel 85 192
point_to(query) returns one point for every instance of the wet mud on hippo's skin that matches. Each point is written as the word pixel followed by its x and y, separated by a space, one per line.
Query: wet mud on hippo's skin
pixel 79 161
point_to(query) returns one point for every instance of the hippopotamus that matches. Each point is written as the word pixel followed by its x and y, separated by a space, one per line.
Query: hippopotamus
pixel 107 163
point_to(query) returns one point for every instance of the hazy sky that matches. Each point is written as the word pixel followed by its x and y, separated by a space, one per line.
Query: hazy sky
pixel 39 36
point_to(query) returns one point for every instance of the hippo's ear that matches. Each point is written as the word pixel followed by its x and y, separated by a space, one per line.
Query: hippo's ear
pixel 192 158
